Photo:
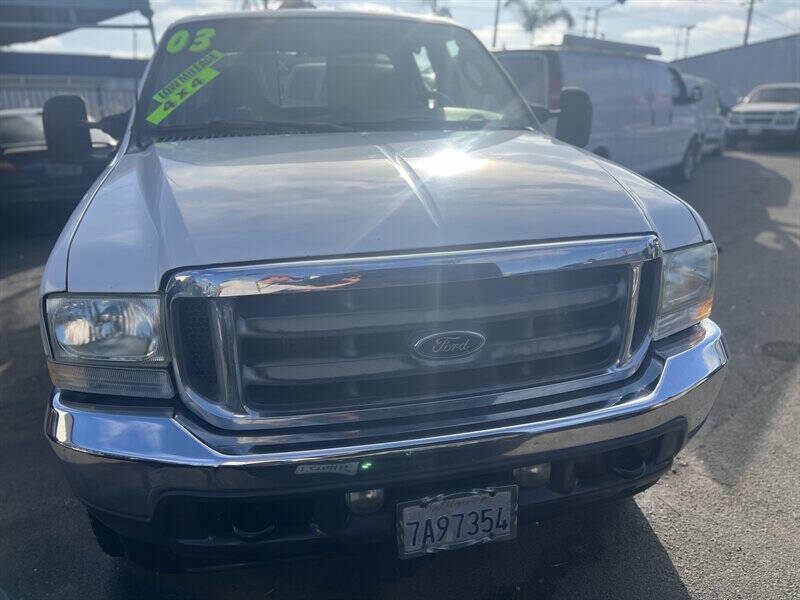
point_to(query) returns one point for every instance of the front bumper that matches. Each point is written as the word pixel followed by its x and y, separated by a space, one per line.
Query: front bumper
pixel 127 464
pixel 768 131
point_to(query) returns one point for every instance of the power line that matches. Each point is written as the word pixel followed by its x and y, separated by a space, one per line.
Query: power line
pixel 774 20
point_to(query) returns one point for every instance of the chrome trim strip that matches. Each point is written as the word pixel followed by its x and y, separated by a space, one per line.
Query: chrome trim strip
pixel 226 355
pixel 302 276
pixel 156 437
pixel 365 272
pixel 633 308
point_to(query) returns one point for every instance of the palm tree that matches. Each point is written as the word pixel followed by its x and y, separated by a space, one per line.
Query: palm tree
pixel 441 11
pixel 539 13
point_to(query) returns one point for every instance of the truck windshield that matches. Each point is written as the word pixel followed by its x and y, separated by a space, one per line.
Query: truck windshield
pixel 325 74
pixel 776 94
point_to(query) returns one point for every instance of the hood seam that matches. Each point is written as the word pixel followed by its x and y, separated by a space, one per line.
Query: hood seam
pixel 123 147
pixel 414 182
pixel 633 197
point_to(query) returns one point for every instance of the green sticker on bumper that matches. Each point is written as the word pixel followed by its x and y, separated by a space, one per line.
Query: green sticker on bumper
pixel 182 94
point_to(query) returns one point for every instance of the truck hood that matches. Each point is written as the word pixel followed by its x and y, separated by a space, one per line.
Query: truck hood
pixel 264 198
pixel 766 107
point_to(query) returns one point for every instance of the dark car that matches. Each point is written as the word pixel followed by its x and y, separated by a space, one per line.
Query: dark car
pixel 32 182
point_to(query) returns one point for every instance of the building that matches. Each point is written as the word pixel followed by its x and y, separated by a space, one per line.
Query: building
pixel 26 79
pixel 738 70
pixel 107 84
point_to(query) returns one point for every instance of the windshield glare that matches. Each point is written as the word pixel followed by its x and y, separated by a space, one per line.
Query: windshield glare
pixel 361 73
pixel 776 94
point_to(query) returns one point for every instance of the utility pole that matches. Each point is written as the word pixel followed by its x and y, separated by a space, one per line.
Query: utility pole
pixel 586 17
pixel 688 29
pixel 749 18
pixel 496 22
pixel 597 14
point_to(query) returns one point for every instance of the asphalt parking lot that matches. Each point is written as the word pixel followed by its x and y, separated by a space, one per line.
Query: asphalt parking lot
pixel 725 523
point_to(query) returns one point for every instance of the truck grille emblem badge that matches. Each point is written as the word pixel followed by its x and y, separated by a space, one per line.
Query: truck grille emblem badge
pixel 448 344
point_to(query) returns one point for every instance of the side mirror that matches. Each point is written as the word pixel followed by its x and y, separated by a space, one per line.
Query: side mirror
pixel 697 93
pixel 66 128
pixel 575 117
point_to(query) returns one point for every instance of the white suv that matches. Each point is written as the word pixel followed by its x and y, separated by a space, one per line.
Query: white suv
pixel 768 112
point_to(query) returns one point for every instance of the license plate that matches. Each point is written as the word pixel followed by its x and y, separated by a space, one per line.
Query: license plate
pixel 451 521
pixel 754 129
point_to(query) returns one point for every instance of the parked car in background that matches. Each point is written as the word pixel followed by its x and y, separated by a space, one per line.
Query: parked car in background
pixel 710 112
pixel 769 112
pixel 642 113
pixel 32 180
pixel 396 312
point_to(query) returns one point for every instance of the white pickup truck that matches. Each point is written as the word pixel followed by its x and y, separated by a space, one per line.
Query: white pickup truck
pixel 389 309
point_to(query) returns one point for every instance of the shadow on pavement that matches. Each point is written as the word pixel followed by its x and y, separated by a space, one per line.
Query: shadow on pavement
pixel 608 551
pixel 757 299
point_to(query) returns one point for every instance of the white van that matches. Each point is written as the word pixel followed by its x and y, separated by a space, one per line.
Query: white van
pixel 643 115
pixel 710 111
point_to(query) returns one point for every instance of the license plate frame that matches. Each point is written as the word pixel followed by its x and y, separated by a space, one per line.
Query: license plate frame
pixel 445 502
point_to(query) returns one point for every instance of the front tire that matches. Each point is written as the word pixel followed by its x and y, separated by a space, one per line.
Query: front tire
pixel 685 170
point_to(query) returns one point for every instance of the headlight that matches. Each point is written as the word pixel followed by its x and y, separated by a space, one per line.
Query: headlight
pixel 785 118
pixel 687 288
pixel 734 118
pixel 96 341
pixel 107 329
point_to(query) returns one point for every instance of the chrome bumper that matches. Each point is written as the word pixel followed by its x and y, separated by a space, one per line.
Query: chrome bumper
pixel 124 462
pixel 764 130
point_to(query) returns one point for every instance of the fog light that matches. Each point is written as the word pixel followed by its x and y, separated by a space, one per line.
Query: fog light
pixel 365 501
pixel 533 475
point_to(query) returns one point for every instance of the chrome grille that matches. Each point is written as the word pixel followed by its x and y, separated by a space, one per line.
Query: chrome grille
pixel 312 344
pixel 762 118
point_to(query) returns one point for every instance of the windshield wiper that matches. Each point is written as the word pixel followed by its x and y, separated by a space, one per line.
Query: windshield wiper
pixel 233 126
pixel 429 123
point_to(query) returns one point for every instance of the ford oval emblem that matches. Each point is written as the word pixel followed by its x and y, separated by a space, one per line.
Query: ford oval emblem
pixel 449 344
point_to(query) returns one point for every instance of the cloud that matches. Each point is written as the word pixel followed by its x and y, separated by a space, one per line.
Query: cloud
pixel 723 25
pixel 51 44
pixel 512 35
pixel 654 34
pixel 791 16
pixel 708 34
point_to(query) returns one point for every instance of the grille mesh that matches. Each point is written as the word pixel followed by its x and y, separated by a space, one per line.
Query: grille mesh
pixel 350 349
pixel 194 337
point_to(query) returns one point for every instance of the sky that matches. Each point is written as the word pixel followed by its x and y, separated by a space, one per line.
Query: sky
pixel 717 23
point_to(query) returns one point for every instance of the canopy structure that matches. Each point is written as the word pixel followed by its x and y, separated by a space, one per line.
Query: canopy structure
pixel 31 20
